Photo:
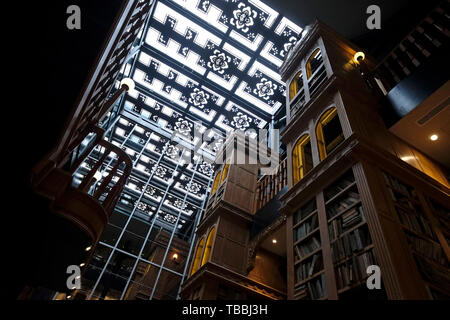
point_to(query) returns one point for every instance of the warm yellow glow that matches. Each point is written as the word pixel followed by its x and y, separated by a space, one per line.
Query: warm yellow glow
pixel 309 71
pixel 434 137
pixel 82 265
pixel 198 255
pixel 88 248
pixel 274 241
pixel 225 173
pixel 295 86
pixel 324 120
pixel 359 56
pixel 216 183
pixel 298 158
pixel 208 247
pixel 175 256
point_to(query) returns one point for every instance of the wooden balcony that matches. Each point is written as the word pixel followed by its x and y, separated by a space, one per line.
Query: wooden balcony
pixel 270 185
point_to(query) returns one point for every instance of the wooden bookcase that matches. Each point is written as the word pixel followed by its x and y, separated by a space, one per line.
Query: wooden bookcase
pixel 420 218
pixel 308 262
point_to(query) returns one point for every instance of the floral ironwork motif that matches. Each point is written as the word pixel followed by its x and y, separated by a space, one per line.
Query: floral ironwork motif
pixel 199 98
pixel 241 121
pixel 219 61
pixel 265 89
pixel 243 17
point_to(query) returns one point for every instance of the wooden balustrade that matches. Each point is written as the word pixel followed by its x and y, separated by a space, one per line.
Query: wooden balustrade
pixel 270 185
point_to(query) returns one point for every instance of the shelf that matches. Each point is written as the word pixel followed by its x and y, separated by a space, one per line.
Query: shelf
pixel 306 237
pixel 409 196
pixel 309 255
pixel 305 218
pixel 352 286
pixel 344 211
pixel 347 188
pixel 309 278
pixel 348 231
pixel 357 253
pixel 429 260
pixel 419 235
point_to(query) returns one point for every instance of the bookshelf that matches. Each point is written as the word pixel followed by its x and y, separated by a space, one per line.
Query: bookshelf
pixel 308 261
pixel 420 233
pixel 350 241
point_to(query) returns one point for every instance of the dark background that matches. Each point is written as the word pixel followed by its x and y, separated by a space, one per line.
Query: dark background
pixel 46 66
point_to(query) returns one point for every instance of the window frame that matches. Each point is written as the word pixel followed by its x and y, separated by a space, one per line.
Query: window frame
pixel 298 171
pixel 324 119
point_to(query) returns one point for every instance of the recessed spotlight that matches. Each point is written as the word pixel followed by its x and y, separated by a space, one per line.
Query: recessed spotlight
pixel 175 256
pixel 274 241
pixel 82 265
pixel 68 297
pixel 434 137
pixel 88 248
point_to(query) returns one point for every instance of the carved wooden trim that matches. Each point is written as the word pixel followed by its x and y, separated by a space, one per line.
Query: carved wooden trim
pixel 256 241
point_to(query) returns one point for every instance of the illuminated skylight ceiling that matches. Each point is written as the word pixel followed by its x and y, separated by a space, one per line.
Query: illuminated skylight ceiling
pixel 215 62
pixel 204 66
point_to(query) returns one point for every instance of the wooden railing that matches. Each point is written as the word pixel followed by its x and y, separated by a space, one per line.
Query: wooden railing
pixel 104 76
pixel 416 48
pixel 270 185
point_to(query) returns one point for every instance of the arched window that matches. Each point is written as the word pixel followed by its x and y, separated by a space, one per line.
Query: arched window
pixel 296 85
pixel 302 158
pixel 209 243
pixel 198 255
pixel 216 183
pixel 313 63
pixel 329 132
pixel 225 173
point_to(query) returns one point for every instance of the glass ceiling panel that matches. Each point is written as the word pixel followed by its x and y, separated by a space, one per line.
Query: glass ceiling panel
pixel 207 67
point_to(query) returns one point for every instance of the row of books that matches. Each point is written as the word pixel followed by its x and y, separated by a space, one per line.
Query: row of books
pixel 428 249
pixel 349 243
pixel 309 267
pixel 305 228
pixel 304 211
pixel 347 201
pixel 340 185
pixel 307 246
pixel 348 220
pixel 437 276
pixel 314 289
pixel 354 270
pixel 391 181
pixel 416 222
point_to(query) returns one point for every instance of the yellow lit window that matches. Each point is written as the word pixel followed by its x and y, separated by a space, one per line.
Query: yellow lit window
pixel 209 243
pixel 313 63
pixel 329 133
pixel 302 158
pixel 296 85
pixel 225 173
pixel 216 183
pixel 198 256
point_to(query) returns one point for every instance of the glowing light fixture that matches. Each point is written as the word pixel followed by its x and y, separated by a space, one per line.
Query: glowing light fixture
pixel 359 56
pixel 127 82
pixel 175 256
pixel 434 137
pixel 274 241
pixel 88 248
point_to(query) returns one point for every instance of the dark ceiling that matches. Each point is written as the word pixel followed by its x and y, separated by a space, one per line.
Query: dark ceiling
pixel 349 17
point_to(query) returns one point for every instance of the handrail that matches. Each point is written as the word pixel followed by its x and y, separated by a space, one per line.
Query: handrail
pixel 269 186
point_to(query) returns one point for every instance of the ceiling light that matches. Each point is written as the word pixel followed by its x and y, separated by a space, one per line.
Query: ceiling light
pixel 129 83
pixel 175 256
pixel 359 56
pixel 434 137
pixel 68 297
pixel 88 248
pixel 274 241
pixel 82 265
